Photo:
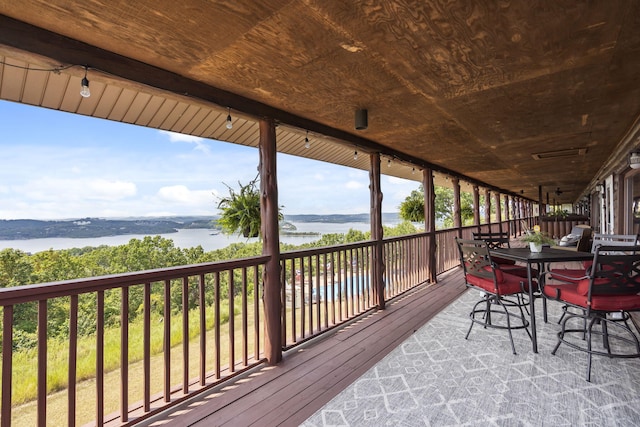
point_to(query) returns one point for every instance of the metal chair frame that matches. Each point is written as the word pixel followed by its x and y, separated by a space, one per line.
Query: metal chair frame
pixel 613 273
pixel 476 261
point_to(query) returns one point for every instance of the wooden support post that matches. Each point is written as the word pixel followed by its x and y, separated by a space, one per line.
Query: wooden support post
pixel 507 218
pixel 430 223
pixel 476 207
pixel 457 214
pixel 270 241
pixel 498 211
pixel 376 229
pixel 487 208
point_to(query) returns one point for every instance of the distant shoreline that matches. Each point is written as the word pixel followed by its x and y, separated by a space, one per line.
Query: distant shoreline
pixel 28 229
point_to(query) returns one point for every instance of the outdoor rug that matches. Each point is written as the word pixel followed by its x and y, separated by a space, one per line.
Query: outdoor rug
pixel 437 378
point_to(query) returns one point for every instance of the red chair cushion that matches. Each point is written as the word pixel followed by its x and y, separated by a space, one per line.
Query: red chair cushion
pixel 507 283
pixel 571 294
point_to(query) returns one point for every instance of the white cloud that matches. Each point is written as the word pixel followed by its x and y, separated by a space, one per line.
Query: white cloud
pixel 180 137
pixel 103 189
pixel 182 194
pixel 200 144
pixel 354 185
pixel 65 190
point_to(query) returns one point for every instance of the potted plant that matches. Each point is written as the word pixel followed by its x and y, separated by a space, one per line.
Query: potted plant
pixel 537 239
pixel 240 211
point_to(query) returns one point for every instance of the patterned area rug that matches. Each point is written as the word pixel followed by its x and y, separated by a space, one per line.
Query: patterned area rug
pixel 437 378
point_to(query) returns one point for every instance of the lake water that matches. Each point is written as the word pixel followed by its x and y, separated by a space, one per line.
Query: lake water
pixel 183 238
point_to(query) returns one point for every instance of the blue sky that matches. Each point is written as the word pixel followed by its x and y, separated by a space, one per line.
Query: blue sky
pixel 56 165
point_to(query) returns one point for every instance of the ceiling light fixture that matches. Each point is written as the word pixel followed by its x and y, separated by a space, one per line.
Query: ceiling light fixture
pixel 388 163
pixel 355 155
pixel 229 122
pixel 307 144
pixel 634 160
pixel 85 92
pixel 362 121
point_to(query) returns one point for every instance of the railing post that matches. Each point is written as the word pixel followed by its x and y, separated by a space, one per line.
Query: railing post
pixel 270 241
pixel 498 211
pixel 507 217
pixel 430 223
pixel 487 209
pixel 476 207
pixel 457 214
pixel 376 229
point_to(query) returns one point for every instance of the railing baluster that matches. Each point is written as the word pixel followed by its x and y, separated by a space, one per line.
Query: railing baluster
pixel 146 345
pixel 340 284
pixel 326 290
pixel 216 287
pixel 303 306
pixel 294 297
pixel 166 340
pixel 42 362
pixel 203 329
pixel 100 359
pixel 245 327
pixel 185 335
pixel 7 364
pixel 333 289
pixel 73 359
pixel 232 315
pixel 124 355
pixel 256 311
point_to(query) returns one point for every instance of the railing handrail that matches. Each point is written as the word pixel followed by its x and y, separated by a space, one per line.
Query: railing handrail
pixel 40 291
pixel 324 249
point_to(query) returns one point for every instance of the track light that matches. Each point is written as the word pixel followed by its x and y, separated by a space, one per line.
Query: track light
pixel 307 144
pixel 85 92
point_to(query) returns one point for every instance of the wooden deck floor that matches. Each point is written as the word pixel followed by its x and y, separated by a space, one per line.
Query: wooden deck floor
pixel 309 377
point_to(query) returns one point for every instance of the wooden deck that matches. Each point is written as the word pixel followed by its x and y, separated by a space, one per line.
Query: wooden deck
pixel 309 377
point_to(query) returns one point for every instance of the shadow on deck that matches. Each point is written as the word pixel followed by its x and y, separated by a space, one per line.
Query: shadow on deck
pixel 310 376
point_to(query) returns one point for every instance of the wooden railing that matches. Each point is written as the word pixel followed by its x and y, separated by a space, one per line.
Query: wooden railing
pixel 222 297
pixel 324 288
pixel 218 308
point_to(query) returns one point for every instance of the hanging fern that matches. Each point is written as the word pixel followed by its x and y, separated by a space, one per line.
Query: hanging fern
pixel 240 211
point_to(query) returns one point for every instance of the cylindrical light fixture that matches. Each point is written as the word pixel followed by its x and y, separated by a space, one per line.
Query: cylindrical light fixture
pixel 362 122
pixel 634 160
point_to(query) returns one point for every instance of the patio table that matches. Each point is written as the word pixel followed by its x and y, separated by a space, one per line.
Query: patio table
pixel 547 256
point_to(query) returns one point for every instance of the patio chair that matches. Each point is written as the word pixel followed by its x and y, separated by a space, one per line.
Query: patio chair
pixel 572 275
pixel 492 310
pixel 502 240
pixel 604 297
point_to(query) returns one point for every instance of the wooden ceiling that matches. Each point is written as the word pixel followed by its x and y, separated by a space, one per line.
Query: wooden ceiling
pixel 513 94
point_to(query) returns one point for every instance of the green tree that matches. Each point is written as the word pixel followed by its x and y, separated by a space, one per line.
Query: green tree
pixel 412 208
